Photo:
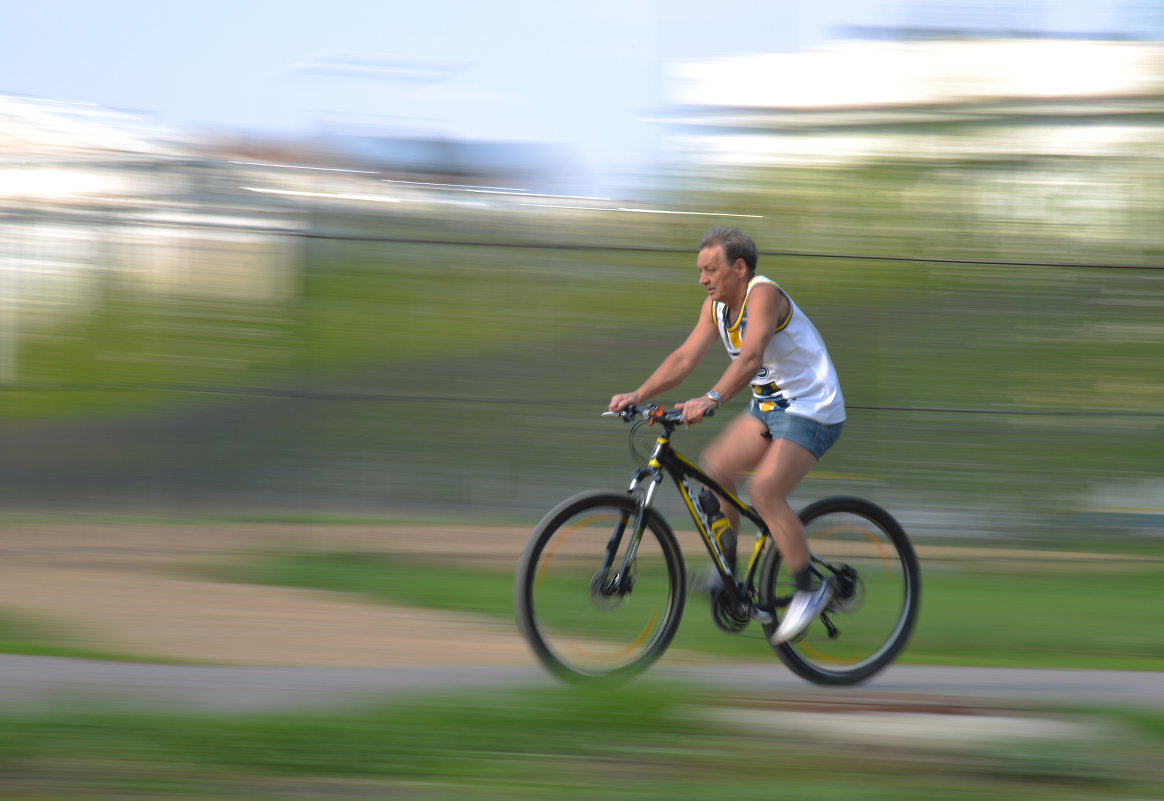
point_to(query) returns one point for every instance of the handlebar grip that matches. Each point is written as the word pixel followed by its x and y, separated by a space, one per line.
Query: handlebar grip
pixel 630 412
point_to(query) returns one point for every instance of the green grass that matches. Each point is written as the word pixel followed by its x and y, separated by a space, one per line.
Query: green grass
pixel 1009 614
pixel 1082 616
pixel 395 579
pixel 648 740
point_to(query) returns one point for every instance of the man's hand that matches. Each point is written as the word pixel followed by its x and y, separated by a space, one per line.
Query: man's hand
pixel 620 402
pixel 696 409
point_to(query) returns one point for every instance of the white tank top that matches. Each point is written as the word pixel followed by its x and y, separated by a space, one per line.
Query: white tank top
pixel 797 374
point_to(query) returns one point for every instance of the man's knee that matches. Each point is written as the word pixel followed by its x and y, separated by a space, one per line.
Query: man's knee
pixel 765 489
pixel 711 463
pixel 718 461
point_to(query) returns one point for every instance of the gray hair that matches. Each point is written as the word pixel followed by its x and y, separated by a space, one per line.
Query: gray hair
pixel 735 243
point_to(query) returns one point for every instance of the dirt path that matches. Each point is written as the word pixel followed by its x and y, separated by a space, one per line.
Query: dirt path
pixel 124 588
pixel 130 589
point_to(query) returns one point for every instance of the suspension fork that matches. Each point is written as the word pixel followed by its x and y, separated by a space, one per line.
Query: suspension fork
pixel 623 579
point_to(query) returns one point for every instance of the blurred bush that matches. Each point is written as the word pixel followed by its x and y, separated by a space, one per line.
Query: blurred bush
pixel 215 335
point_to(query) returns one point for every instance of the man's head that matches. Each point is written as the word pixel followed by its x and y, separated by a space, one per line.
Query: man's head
pixel 735 243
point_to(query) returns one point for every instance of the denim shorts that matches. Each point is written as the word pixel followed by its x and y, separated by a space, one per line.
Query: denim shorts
pixel 808 434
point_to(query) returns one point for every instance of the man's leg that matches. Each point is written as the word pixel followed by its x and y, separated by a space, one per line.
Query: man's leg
pixel 736 449
pixel 739 448
pixel 777 474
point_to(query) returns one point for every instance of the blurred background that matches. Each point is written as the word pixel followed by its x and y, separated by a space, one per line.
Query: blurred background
pixel 360 261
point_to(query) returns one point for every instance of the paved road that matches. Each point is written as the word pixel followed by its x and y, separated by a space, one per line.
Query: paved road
pixel 34 680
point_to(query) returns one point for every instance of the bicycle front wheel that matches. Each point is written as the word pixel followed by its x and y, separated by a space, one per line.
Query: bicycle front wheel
pixel 866 554
pixel 584 615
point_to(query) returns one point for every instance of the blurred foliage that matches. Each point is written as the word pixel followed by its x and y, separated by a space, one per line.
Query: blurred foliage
pixel 649 740
pixel 456 365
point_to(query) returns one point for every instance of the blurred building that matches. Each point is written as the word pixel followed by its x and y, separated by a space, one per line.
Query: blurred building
pixel 938 99
pixel 86 193
pixel 1055 146
pixel 90 196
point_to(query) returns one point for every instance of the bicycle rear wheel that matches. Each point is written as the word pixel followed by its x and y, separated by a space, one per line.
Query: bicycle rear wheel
pixel 581 617
pixel 867 555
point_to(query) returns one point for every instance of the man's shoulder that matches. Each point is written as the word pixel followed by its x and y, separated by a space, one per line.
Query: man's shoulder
pixel 761 285
pixel 772 299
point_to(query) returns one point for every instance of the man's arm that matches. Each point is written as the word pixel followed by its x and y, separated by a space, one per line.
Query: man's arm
pixel 767 306
pixel 677 366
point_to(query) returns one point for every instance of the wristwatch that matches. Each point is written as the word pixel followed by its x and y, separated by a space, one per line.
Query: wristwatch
pixel 715 397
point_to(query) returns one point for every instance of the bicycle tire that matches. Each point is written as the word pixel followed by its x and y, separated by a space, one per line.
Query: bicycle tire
pixel 576 630
pixel 875 615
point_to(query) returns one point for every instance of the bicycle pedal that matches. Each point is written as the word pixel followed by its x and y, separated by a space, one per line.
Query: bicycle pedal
pixel 760 616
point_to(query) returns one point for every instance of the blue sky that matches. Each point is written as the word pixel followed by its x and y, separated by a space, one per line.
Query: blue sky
pixel 575 71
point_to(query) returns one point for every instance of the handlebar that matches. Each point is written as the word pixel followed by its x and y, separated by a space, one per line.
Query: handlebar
pixel 653 414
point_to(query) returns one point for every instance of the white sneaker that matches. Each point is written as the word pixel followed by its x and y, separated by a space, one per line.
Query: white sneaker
pixel 805 607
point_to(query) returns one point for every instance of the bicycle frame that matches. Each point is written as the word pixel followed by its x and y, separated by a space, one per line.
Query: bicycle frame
pixel 665 460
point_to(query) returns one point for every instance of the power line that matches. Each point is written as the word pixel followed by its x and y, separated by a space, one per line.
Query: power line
pixel 292 393
pixel 582 247
pixel 340 236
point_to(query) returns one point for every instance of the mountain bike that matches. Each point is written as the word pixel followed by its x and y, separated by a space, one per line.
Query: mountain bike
pixel 601 585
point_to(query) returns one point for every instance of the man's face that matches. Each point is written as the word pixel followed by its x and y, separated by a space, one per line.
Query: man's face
pixel 720 279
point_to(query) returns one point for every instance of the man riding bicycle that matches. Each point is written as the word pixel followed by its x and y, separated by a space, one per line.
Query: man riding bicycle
pixel 796 412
